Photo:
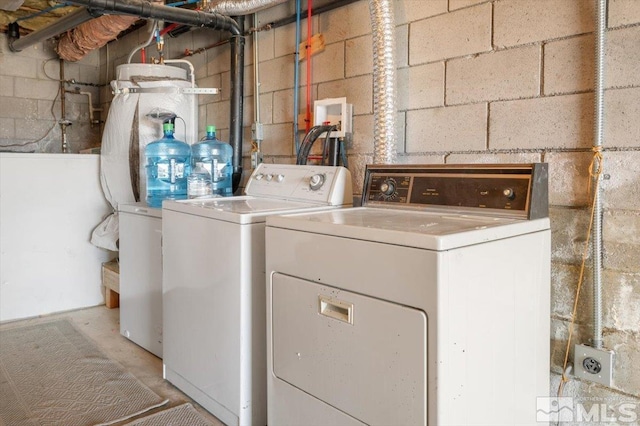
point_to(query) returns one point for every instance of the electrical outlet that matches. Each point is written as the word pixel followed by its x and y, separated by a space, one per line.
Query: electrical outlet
pixel 256 158
pixel 595 365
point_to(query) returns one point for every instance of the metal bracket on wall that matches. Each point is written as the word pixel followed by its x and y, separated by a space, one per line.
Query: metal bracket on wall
pixel 177 90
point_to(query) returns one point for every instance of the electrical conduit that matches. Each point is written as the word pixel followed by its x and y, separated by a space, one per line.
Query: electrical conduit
pixel 601 14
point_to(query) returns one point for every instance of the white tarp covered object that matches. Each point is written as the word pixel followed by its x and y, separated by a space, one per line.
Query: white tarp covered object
pixel 131 124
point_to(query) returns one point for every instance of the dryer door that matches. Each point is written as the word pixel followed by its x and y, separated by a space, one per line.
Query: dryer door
pixel 364 356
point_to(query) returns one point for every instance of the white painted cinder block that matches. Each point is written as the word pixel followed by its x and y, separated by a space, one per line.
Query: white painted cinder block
pixel 507 74
pixel 519 22
pixel 623 57
pixel 421 86
pixel 358 56
pixel 554 122
pixel 447 129
pixel 623 12
pixel 459 33
pixel 621 126
pixel 345 22
pixel 569 65
pixel 357 90
pixel 406 11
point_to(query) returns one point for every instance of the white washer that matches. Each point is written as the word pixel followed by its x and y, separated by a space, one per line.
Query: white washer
pixel 141 275
pixel 214 285
pixel 428 305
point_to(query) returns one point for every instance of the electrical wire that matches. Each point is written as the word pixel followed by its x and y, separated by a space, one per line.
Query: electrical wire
pixel 309 139
pixel 181 3
pixel 72 81
pixel 597 159
pixel 55 123
pixel 343 154
pixel 42 12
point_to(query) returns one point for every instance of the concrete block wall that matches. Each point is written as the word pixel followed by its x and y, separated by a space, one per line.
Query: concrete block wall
pixel 492 81
pixel 30 103
pixel 479 81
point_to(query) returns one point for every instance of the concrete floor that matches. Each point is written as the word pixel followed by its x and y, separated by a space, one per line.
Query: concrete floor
pixel 102 325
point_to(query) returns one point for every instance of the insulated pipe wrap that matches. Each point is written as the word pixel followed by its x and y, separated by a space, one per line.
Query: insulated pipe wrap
pixel 75 44
pixel 243 7
pixel 384 81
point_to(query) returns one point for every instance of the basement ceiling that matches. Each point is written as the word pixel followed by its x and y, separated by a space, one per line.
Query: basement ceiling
pixel 31 15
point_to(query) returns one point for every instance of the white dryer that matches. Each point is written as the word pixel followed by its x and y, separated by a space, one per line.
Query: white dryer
pixel 428 305
pixel 214 285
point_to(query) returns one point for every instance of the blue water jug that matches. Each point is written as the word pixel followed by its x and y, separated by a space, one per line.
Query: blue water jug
pixel 168 163
pixel 215 156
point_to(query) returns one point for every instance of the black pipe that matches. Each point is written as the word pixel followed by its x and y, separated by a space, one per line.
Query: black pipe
pixel 63 24
pixel 145 9
pixel 237 91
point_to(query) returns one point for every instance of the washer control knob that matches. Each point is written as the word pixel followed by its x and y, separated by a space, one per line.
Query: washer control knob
pixel 509 193
pixel 269 177
pixel 259 176
pixel 279 177
pixel 388 187
pixel 316 181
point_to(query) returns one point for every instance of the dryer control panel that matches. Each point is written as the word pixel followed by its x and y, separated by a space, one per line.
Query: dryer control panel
pixel 514 190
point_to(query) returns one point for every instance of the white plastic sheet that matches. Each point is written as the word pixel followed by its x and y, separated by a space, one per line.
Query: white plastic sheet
pixel 122 129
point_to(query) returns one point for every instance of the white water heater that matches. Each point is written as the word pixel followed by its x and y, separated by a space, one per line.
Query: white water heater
pixel 144 94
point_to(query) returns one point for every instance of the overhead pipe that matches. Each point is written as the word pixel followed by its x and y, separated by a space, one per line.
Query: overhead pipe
pixel 242 7
pixel 63 24
pixel 237 90
pixel 601 16
pixel 384 81
pixel 144 9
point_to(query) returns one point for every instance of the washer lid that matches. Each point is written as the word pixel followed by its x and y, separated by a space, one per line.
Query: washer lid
pixel 244 209
pixel 421 229
pixel 140 208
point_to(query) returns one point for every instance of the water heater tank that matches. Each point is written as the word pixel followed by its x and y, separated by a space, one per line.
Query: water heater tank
pixel 144 95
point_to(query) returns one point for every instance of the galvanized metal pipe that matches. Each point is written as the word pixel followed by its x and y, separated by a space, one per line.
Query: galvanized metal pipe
pixel 63 123
pixel 596 237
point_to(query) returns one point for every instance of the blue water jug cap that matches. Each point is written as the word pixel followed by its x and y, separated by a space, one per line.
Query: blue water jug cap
pixel 167 126
pixel 211 129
